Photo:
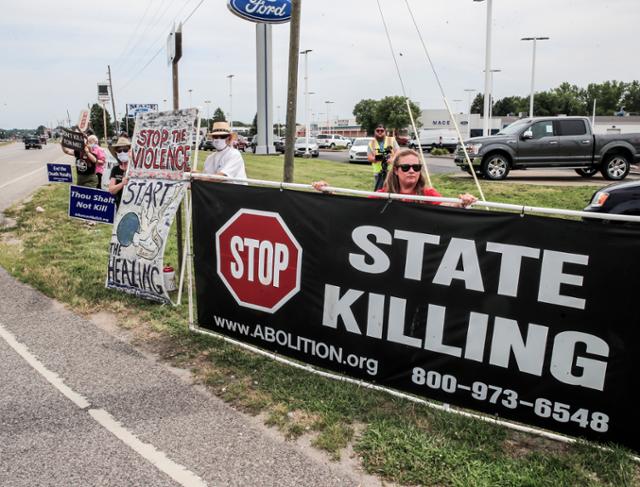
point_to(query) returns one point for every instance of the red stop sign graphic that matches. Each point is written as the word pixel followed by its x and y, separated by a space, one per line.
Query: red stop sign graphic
pixel 258 259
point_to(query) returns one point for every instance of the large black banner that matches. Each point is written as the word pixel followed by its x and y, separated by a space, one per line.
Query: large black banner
pixel 527 318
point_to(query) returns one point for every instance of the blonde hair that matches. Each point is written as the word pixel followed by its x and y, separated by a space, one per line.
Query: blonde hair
pixel 92 139
pixel 392 183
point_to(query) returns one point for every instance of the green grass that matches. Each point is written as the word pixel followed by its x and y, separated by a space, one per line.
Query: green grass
pixel 395 439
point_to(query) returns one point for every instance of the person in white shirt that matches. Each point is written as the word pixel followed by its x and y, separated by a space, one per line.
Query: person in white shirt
pixel 226 161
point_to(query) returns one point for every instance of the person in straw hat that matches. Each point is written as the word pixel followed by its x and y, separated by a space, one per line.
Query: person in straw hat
pixel 117 179
pixel 226 161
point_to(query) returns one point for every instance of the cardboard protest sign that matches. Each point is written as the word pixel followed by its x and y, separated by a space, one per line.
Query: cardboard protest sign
pixel 162 142
pixel 139 236
pixel 73 140
pixel 91 204
pixel 83 121
pixel 59 173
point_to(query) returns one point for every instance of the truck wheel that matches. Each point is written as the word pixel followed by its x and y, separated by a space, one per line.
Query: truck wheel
pixel 587 172
pixel 615 167
pixel 332 146
pixel 495 167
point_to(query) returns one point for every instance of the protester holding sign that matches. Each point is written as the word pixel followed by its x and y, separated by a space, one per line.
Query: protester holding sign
pixel 226 161
pixel 97 151
pixel 407 177
pixel 85 165
pixel 118 179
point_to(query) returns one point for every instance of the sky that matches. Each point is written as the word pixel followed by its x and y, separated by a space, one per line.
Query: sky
pixel 53 54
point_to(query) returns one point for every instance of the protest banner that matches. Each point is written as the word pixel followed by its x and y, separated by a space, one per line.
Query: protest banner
pixel 161 148
pixel 59 173
pixel 91 204
pixel 139 236
pixel 73 140
pixel 521 317
pixel 162 142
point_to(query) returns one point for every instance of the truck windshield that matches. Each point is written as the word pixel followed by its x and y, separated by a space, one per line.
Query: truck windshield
pixel 514 128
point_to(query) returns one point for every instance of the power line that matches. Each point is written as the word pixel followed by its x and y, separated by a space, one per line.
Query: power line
pixel 133 34
pixel 128 82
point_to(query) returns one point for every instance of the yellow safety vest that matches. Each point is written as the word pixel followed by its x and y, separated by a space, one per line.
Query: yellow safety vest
pixel 375 148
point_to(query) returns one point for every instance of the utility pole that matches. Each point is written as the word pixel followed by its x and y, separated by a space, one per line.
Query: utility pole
pixel 306 103
pixel 113 103
pixel 230 100
pixel 292 90
pixel 177 54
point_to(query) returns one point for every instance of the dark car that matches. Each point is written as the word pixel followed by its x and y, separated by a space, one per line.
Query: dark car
pixel 619 198
pixel 278 143
pixel 32 142
pixel 206 144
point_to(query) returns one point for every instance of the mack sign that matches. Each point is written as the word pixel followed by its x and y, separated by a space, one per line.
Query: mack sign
pixel 263 11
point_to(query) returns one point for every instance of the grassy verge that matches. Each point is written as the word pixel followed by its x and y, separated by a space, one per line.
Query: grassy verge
pixel 394 439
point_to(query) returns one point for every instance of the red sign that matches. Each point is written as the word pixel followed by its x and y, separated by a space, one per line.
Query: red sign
pixel 258 259
pixel 83 121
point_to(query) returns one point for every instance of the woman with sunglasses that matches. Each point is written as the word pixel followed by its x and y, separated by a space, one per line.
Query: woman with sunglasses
pixel 117 178
pixel 226 161
pixel 406 176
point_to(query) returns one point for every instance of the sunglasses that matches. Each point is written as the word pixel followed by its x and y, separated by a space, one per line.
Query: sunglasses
pixel 219 136
pixel 120 151
pixel 406 167
pixel 379 131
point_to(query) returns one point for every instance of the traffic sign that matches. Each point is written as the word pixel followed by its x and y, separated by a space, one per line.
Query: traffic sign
pixel 258 259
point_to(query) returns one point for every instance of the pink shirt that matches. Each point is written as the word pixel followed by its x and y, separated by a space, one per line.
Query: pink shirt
pixel 99 153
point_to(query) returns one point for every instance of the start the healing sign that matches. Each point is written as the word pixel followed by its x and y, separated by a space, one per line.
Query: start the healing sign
pixel 522 317
pixel 162 142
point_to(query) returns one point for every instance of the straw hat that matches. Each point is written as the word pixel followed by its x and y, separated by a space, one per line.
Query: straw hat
pixel 221 128
pixel 121 142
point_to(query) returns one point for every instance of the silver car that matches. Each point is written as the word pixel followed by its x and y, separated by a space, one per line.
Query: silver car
pixel 358 151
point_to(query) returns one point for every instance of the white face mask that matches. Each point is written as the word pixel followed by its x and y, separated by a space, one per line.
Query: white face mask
pixel 220 144
pixel 123 156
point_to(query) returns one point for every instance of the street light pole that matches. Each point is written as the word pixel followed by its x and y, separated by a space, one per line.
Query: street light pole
pixel 328 103
pixel 306 101
pixel 230 100
pixel 208 103
pixel 533 68
pixel 469 91
pixel 487 68
pixel 491 71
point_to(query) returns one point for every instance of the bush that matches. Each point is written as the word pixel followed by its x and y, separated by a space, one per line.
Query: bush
pixel 436 151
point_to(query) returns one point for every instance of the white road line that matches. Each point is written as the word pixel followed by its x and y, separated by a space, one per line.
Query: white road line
pixel 40 169
pixel 150 453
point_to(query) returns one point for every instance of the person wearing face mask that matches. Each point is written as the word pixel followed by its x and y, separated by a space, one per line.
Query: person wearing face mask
pixel 85 165
pixel 121 151
pixel 97 151
pixel 226 161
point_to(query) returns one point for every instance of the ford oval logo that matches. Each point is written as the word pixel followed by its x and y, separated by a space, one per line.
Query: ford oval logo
pixel 265 11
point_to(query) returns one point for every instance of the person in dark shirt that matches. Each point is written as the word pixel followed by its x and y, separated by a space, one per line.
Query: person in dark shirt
pixel 118 179
pixel 85 165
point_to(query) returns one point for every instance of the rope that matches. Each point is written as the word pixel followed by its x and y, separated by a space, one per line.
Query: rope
pixel 404 93
pixel 446 102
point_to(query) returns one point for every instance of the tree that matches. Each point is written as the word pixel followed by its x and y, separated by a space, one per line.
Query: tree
pixel 254 126
pixel 123 125
pixel 631 100
pixel 41 129
pixel 219 116
pixel 570 99
pixel 478 104
pixel 608 96
pixel 510 105
pixel 392 112
pixel 97 125
pixel 365 112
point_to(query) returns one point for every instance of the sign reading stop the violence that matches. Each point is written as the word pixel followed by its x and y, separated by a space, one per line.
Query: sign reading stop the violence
pixel 258 259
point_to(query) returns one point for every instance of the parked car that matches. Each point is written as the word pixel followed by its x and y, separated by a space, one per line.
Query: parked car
pixel 432 138
pixel 206 144
pixel 240 142
pixel 358 151
pixel 333 141
pixel 32 142
pixel 301 147
pixel 617 198
pixel 278 143
pixel 556 142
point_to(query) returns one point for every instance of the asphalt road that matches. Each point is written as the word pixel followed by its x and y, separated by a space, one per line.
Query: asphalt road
pixel 22 171
pixel 80 406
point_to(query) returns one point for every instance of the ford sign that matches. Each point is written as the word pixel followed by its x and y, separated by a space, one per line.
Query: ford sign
pixel 263 11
